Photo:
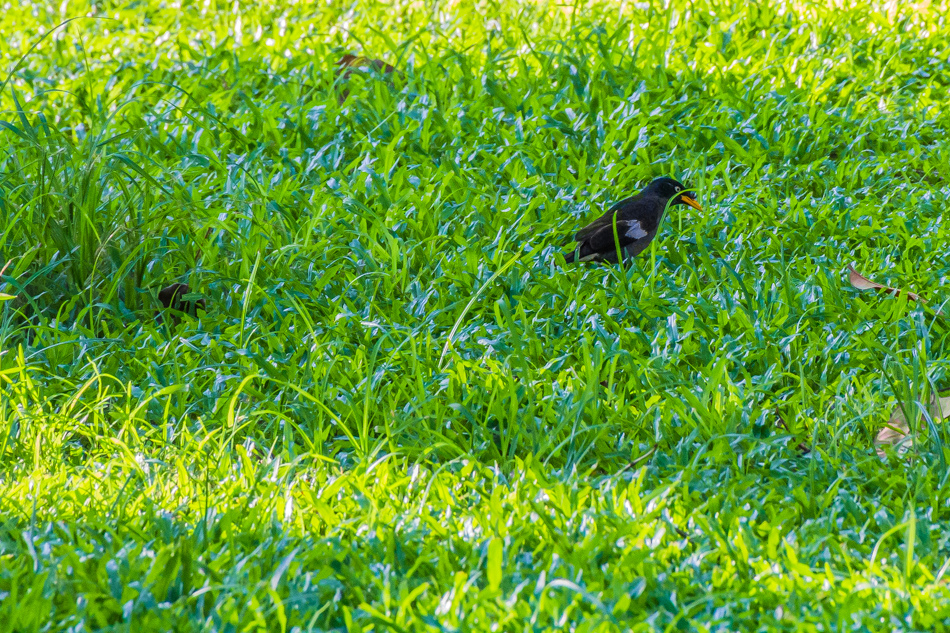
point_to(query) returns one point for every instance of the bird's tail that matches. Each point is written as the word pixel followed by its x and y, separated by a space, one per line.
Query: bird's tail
pixel 570 257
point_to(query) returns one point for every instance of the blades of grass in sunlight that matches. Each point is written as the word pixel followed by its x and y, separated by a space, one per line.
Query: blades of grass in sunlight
pixel 468 306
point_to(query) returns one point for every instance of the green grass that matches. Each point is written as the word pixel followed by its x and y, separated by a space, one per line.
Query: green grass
pixel 400 413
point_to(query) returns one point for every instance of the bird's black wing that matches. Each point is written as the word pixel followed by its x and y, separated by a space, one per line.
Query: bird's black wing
pixel 605 220
pixel 646 210
pixel 637 219
pixel 628 232
pixel 601 245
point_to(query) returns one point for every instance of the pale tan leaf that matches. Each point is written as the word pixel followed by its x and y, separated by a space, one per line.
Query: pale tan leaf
pixel 348 64
pixel 861 282
pixel 365 63
pixel 897 432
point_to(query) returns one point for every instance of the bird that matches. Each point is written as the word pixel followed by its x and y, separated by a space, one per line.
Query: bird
pixel 172 298
pixel 638 219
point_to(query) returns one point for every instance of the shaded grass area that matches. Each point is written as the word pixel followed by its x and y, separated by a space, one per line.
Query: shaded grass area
pixel 399 411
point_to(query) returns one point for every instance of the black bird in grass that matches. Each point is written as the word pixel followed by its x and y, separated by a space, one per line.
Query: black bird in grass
pixel 172 299
pixel 638 219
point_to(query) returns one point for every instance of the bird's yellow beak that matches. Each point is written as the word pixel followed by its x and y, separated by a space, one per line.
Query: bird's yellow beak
pixel 692 202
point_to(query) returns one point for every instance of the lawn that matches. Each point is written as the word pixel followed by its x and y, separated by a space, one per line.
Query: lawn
pixel 401 410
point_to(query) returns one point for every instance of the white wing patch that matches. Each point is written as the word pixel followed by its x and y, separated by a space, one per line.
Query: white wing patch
pixel 634 230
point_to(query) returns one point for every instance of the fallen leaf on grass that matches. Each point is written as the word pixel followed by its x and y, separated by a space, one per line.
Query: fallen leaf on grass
pixel 861 282
pixel 348 64
pixel 897 433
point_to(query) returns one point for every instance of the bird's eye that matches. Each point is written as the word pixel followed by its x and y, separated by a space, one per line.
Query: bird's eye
pixel 678 188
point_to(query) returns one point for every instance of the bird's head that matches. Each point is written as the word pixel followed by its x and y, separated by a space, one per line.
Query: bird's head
pixel 668 188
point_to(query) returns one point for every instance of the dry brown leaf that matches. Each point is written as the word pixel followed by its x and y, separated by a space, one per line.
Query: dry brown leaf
pixel 861 282
pixel 350 63
pixel 897 432
pixel 358 61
